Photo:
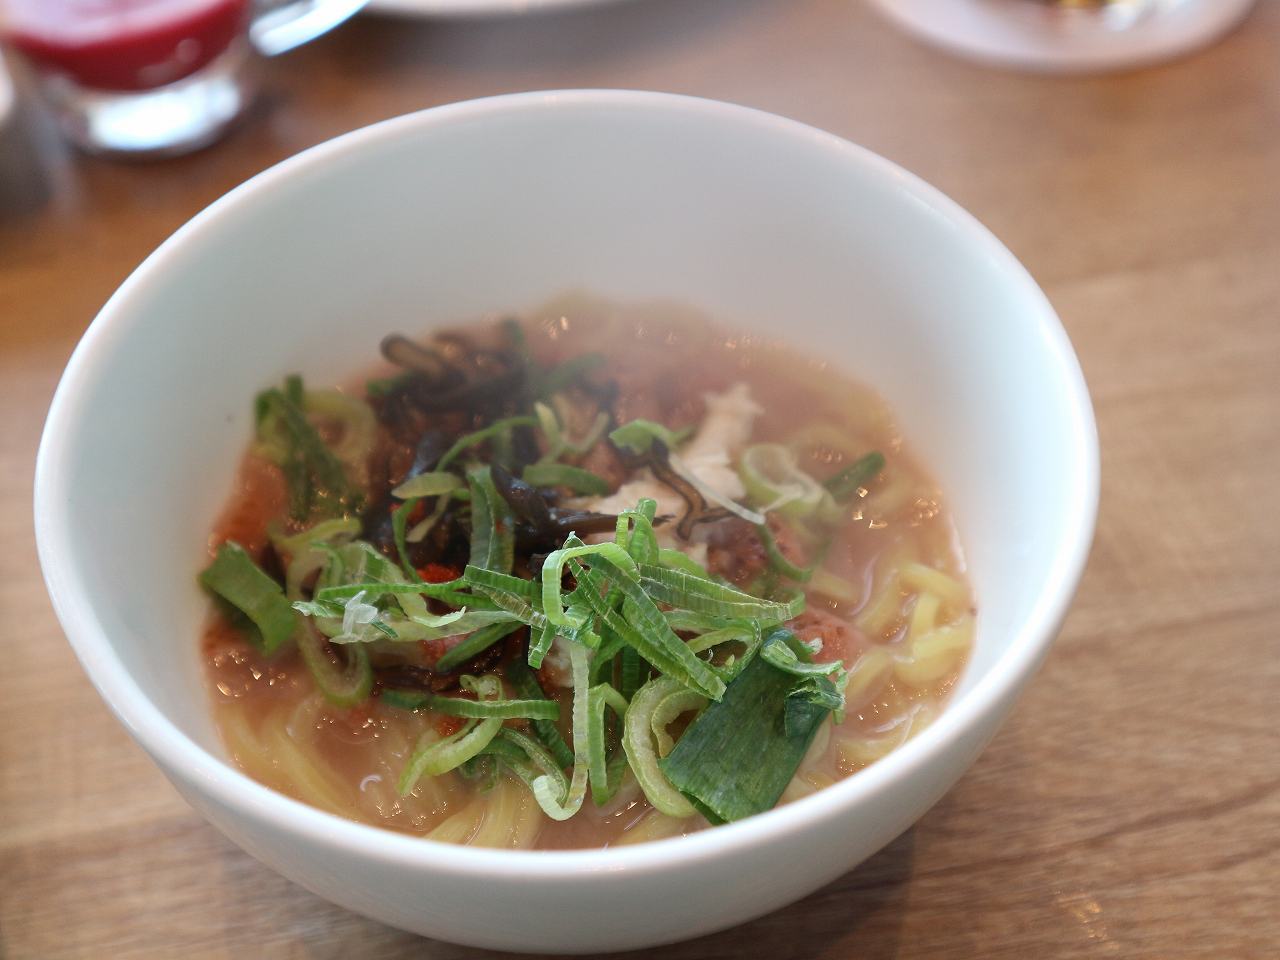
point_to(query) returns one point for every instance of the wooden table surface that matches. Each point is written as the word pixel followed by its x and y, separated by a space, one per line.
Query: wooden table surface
pixel 1131 805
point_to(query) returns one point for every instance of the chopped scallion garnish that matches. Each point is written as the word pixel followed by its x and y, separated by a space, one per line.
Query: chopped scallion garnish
pixel 562 475
pixel 738 756
pixel 235 578
pixel 475 644
pixel 855 476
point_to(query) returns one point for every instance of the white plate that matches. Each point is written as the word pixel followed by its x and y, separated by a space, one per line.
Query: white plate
pixel 1014 33
pixel 475 8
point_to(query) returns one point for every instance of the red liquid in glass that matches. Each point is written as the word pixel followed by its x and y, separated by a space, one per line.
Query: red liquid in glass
pixel 125 45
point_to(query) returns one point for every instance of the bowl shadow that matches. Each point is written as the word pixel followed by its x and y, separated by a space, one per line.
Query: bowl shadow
pixel 860 914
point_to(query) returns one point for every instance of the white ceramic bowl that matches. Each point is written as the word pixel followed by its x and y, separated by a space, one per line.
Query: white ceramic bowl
pixel 497 205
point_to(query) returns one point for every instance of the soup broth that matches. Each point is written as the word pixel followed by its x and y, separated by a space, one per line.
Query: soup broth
pixel 881 574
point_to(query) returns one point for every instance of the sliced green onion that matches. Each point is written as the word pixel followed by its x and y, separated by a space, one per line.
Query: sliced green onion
pixel 780 655
pixel 450 591
pixel 605 777
pixel 338 531
pixel 433 757
pixel 632 672
pixel 638 741
pixel 774 481
pixel 527 687
pixel 473 709
pixel 475 644
pixel 557 442
pixel 642 625
pixel 540 647
pixel 738 756
pixel 492 524
pixel 520 598
pixel 402 699
pixel 359 428
pixel 855 476
pixel 566 373
pixel 641 542
pixel 669 707
pixel 679 560
pixel 553 573
pixel 428 485
pixel 317 481
pixel 638 436
pixel 496 429
pixel 742 633
pixel 527 759
pixel 546 789
pixel 424 526
pixel 343 686
pixel 399 523
pixel 682 589
pixel 562 475
pixel 809 702
pixel 778 560
pixel 237 579
pixel 501 582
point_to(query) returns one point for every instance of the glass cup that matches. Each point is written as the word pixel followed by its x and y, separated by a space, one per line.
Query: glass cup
pixel 156 77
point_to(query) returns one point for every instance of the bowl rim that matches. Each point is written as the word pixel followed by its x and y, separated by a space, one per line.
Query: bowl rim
pixel 174 751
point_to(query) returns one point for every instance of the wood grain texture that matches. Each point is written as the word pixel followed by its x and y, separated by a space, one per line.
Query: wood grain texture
pixel 1131 805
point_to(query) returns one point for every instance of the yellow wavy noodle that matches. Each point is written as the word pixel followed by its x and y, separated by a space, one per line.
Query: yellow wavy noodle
pixel 924 615
pixel 655 826
pixel 810 776
pixel 936 654
pixel 431 796
pixel 884 609
pixel 867 677
pixel 305 717
pixel 837 588
pixel 819 779
pixel 245 747
pixel 629 793
pixel 890 493
pixel 379 798
pixel 817 749
pixel 849 441
pixel 924 579
pixel 510 819
pixel 302 766
pixel 804 784
pixel 855 753
pixel 461 826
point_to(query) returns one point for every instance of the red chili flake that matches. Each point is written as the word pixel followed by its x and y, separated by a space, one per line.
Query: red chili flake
pixel 437 573
pixel 447 726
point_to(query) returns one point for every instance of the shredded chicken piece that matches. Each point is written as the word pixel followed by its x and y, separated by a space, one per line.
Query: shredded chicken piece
pixel 710 455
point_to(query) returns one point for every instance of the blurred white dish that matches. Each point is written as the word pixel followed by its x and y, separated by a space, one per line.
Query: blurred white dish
pixel 6 92
pixel 462 9
pixel 1027 36
pixel 491 207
